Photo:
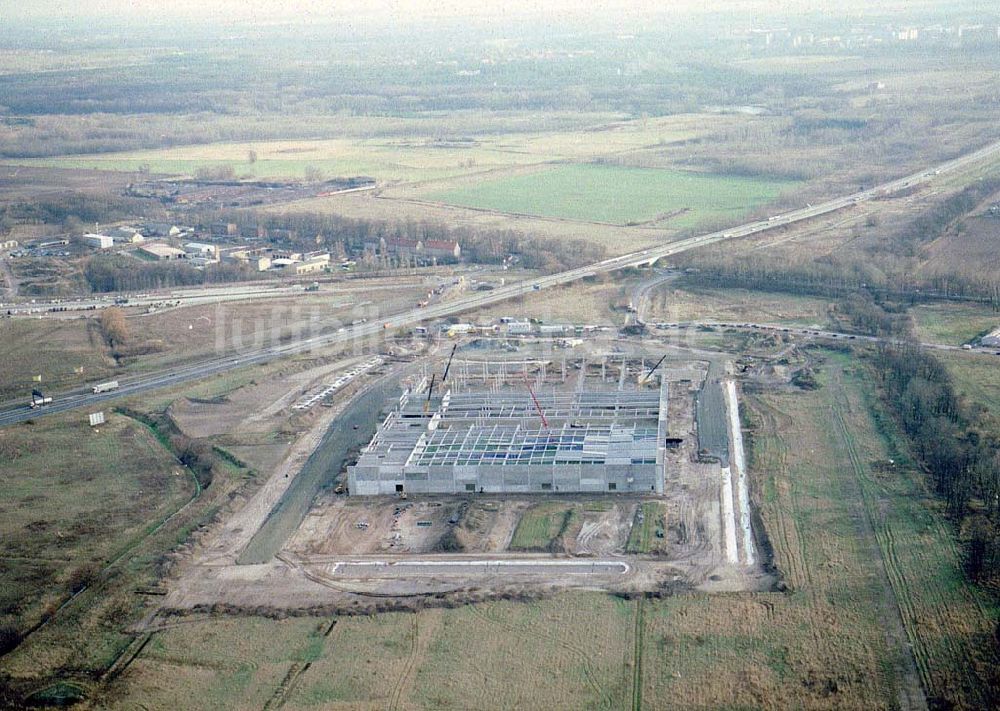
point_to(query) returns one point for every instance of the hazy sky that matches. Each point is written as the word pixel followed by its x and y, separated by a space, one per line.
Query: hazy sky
pixel 400 14
pixel 269 10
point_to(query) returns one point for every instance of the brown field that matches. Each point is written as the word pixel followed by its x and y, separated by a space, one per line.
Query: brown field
pixel 972 248
pixel 201 331
pixel 24 183
pixel 52 349
pixel 56 348
pixel 667 303
pixel 601 303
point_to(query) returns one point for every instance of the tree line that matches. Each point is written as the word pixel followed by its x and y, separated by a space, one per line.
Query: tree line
pixel 958 451
pixel 344 236
pixel 118 272
pixel 836 276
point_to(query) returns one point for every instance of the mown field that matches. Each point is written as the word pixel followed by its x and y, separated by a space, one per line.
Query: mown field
pixel 618 195
pixel 871 566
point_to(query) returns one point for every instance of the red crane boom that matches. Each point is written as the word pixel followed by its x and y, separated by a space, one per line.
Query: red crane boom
pixel 545 423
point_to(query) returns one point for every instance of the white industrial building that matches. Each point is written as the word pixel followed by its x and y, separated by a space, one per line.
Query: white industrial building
pixel 98 241
pixel 199 248
pixel 162 251
pixel 490 432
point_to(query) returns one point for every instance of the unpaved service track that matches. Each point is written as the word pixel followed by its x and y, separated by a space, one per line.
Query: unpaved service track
pixel 504 567
pixel 352 428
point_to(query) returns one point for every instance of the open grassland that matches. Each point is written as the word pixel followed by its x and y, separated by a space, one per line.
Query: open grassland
pixel 221 664
pixel 977 380
pixel 93 517
pixel 952 324
pixel 674 302
pixel 873 571
pixel 397 157
pixel 73 498
pixel 597 302
pixel 618 195
pixel 853 532
pixel 571 651
pixel 52 349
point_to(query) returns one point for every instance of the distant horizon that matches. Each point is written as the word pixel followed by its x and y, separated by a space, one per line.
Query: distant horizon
pixel 237 12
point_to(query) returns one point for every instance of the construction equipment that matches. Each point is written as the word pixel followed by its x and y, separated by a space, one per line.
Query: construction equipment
pixel 430 391
pixel 448 367
pixel 646 376
pixel 527 383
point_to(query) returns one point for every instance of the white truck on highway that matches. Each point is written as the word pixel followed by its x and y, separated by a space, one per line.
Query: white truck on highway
pixel 39 400
pixel 106 387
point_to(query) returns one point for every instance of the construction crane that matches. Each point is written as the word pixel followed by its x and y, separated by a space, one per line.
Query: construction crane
pixel 430 388
pixel 646 376
pixel 430 391
pixel 448 367
pixel 527 383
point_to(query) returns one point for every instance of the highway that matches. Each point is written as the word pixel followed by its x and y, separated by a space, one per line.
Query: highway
pixel 18 412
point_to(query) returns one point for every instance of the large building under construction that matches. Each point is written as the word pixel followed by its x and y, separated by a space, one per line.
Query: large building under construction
pixel 525 427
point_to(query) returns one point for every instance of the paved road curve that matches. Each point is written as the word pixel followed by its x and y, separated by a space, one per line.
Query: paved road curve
pixel 17 412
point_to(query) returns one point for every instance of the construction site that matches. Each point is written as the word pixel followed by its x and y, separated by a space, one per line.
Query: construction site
pixel 522 427
pixel 607 465
pixel 589 454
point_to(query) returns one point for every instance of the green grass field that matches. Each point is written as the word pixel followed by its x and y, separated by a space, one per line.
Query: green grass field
pixel 642 539
pixel 541 525
pixel 617 195
pixel 952 324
